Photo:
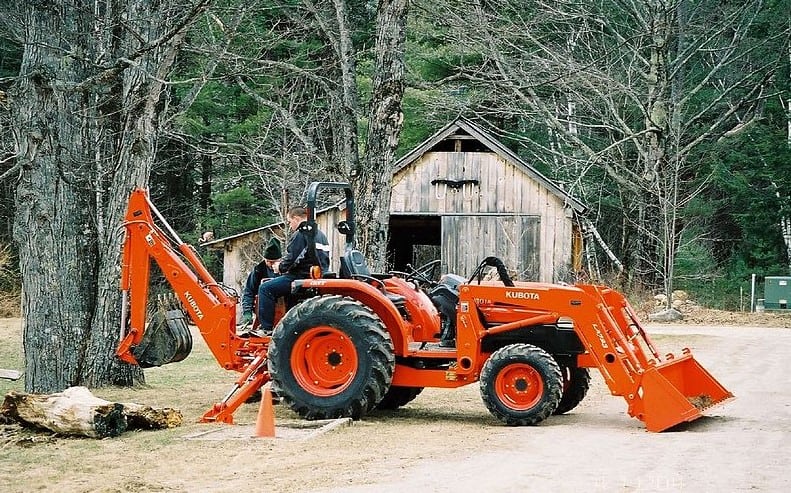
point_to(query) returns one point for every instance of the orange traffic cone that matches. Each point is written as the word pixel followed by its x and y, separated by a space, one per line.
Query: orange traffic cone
pixel 265 422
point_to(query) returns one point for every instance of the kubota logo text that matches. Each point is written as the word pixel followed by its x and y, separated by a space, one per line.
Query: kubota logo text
pixel 521 295
pixel 194 305
pixel 602 340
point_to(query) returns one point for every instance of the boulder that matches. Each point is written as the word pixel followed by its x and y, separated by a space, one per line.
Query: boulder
pixel 669 315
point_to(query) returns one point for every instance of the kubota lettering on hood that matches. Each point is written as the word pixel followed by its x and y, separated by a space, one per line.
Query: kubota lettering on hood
pixel 521 295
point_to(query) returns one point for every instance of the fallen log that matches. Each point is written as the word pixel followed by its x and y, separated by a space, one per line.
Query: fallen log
pixel 76 411
pixel 140 417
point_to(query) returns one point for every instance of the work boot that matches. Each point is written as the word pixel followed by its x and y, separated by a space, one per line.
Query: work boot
pixel 245 322
pixel 257 332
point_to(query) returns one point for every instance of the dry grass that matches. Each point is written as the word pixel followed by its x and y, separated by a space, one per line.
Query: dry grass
pixel 9 299
pixel 9 305
pixel 165 461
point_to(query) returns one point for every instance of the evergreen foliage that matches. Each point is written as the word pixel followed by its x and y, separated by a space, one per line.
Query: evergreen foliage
pixel 253 117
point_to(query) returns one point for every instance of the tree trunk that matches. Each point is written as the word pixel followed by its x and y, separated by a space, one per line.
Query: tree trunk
pixel 86 105
pixel 785 221
pixel 346 135
pixel 372 181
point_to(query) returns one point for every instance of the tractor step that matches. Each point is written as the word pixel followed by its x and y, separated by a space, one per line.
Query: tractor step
pixel 431 350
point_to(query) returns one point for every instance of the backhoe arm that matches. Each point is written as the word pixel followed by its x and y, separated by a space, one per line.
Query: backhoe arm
pixel 209 305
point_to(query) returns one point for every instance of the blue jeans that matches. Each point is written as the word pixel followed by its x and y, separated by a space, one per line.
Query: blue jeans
pixel 268 293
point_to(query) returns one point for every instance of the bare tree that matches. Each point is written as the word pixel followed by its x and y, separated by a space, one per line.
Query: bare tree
pixel 785 221
pixel 628 90
pixel 313 104
pixel 385 120
pixel 86 105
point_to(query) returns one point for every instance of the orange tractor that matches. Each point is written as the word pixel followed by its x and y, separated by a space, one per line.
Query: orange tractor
pixel 353 341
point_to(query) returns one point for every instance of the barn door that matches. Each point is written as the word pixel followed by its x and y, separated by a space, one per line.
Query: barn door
pixel 466 240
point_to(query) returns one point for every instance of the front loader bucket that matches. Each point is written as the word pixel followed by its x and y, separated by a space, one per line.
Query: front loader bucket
pixel 677 390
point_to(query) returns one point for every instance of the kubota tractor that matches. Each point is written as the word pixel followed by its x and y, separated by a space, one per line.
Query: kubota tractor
pixel 353 341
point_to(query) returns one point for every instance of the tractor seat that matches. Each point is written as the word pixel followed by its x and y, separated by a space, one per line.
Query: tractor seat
pixel 353 267
pixel 353 263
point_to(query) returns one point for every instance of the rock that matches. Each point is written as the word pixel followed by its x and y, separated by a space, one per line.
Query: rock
pixel 680 295
pixel 669 315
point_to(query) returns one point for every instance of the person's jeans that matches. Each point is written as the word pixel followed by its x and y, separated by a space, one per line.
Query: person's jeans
pixel 268 293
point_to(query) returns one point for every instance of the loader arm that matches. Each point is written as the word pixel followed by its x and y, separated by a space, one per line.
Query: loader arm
pixel 660 391
pixel 209 305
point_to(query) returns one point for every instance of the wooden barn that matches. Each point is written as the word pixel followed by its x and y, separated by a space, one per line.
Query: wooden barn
pixel 460 196
pixel 466 194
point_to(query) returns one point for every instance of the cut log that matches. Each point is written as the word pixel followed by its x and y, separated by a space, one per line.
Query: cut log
pixel 76 411
pixel 140 417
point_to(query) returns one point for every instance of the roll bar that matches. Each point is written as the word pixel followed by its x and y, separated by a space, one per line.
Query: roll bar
pixel 346 227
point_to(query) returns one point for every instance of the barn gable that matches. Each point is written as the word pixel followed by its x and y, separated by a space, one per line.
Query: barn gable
pixel 464 137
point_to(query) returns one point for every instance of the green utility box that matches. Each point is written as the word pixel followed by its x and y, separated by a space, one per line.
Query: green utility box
pixel 777 293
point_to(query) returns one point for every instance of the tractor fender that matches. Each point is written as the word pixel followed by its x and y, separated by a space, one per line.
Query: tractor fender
pixel 368 295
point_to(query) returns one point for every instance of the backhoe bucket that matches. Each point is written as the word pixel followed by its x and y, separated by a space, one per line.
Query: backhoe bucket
pixel 677 390
pixel 167 339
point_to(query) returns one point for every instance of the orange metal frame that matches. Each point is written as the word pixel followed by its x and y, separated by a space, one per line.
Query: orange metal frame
pixel 210 307
pixel 661 391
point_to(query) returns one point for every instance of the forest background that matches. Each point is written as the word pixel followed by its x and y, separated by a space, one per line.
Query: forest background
pixel 670 119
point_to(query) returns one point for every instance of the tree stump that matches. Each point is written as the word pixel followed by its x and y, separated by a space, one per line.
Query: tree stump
pixel 76 411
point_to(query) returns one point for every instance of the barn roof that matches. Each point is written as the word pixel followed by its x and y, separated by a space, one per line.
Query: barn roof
pixel 220 242
pixel 463 127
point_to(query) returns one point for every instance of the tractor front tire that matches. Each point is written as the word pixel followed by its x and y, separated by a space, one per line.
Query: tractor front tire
pixel 521 384
pixel 576 382
pixel 398 396
pixel 331 357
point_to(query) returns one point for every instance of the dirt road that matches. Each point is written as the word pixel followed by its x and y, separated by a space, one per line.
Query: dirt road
pixel 742 446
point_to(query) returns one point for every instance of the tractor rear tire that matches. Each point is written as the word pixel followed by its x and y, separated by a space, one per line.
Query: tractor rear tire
pixel 398 396
pixel 521 384
pixel 331 357
pixel 576 382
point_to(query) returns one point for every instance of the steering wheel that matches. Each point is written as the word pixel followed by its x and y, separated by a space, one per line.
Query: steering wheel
pixel 423 275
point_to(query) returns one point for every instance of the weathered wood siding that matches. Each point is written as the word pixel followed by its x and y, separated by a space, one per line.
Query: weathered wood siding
pixel 327 221
pixel 467 240
pixel 504 189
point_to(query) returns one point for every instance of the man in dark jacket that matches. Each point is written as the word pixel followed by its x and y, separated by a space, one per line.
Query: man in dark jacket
pixel 264 270
pixel 296 264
